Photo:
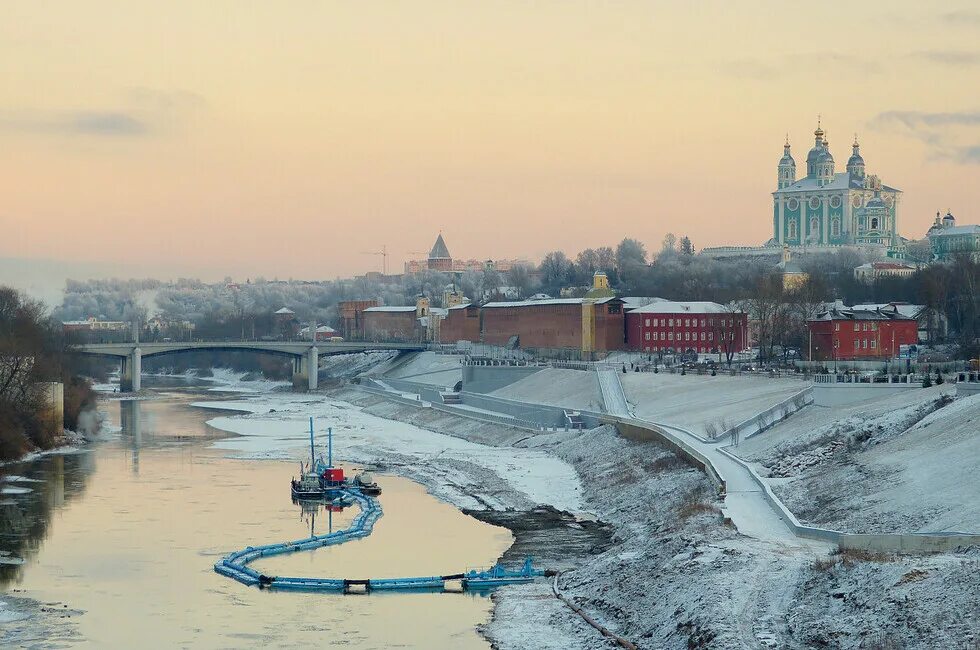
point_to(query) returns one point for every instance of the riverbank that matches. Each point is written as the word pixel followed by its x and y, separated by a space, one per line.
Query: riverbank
pixel 675 576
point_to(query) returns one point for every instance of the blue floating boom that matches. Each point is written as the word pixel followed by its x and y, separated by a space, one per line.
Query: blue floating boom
pixel 235 565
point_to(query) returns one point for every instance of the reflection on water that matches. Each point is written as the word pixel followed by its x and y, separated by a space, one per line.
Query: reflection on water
pixel 129 531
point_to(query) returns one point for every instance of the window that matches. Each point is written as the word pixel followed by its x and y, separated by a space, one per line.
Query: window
pixel 687 322
pixel 791 229
pixel 874 223
pixel 687 336
pixel 702 336
pixel 836 327
pixel 670 336
pixel 874 344
pixel 836 344
pixel 857 327
pixel 647 322
pixel 671 322
pixel 662 322
pixel 702 322
pixel 711 336
pixel 835 227
pixel 814 225
pixel 647 336
pixel 857 344
pixel 874 327
pixel 864 343
pixel 646 349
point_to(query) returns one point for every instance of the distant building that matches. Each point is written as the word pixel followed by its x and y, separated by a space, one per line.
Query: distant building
pixel 587 325
pixel 352 316
pixel 871 271
pixel 323 333
pixel 440 259
pixel 397 323
pixel 93 324
pixel 462 323
pixel 827 207
pixel 846 333
pixel 948 240
pixel 932 323
pixel 701 327
pixel 793 274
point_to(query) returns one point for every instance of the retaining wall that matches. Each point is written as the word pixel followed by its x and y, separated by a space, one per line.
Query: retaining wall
pixel 639 431
pixel 762 421
pixel 486 379
pixel 840 394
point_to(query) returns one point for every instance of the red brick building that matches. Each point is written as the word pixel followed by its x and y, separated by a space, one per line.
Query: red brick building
pixel 391 324
pixel 701 327
pixel 462 323
pixel 843 333
pixel 556 323
pixel 352 317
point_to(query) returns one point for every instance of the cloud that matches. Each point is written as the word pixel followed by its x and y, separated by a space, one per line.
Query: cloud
pixel 963 17
pixel 914 119
pixel 793 64
pixel 935 130
pixel 957 58
pixel 140 112
pixel 95 123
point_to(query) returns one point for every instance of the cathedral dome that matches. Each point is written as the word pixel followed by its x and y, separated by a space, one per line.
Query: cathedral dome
pixel 855 160
pixel 825 156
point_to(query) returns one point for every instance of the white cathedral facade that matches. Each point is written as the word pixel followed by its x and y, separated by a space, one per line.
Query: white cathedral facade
pixel 827 208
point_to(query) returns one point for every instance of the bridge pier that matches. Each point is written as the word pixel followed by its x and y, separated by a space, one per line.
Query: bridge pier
pixel 129 375
pixel 306 369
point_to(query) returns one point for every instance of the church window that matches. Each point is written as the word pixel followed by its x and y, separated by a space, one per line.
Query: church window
pixel 814 225
pixel 835 227
pixel 792 204
pixel 814 203
pixel 792 228
pixel 874 223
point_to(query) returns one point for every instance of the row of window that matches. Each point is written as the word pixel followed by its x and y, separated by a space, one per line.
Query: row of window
pixel 656 348
pixel 860 344
pixel 792 233
pixel 669 336
pixel 688 322
pixel 860 326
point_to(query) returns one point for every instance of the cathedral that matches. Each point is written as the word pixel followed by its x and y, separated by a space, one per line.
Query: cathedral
pixel 828 208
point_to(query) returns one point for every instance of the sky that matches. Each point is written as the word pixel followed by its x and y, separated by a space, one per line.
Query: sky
pixel 293 139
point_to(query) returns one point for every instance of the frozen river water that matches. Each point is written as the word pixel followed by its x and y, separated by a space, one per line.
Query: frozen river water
pixel 113 546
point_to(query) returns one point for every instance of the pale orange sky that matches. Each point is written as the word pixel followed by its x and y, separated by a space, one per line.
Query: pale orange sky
pixel 284 139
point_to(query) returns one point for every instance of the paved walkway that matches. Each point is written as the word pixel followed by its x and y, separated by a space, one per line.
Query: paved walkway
pixel 613 395
pixel 749 510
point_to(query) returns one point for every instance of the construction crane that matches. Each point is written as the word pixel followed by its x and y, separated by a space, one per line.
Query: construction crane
pixel 384 257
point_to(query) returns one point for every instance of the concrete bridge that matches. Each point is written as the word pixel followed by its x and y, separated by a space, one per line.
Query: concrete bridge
pixel 305 354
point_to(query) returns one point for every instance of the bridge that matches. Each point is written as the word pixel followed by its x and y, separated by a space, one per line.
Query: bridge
pixel 305 354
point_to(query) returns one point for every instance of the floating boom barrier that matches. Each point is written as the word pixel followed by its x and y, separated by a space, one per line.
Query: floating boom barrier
pixel 235 565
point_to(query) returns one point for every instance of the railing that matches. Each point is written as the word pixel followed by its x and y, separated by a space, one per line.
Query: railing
pixel 771 416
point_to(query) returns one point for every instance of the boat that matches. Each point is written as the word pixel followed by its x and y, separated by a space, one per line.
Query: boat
pixel 366 484
pixel 307 487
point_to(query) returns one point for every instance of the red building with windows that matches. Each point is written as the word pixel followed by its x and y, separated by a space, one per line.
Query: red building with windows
pixel 701 327
pixel 849 334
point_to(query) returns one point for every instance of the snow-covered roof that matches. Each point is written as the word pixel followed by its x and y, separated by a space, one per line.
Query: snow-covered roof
pixel 842 181
pixel 406 308
pixel 633 302
pixel 907 310
pixel 322 329
pixel 285 310
pixel 671 307
pixel 461 306
pixel 971 229
pixel 542 303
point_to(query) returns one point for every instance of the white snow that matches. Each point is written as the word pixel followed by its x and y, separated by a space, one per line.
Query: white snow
pixel 363 438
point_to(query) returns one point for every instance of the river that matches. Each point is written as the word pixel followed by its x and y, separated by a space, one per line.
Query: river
pixel 115 545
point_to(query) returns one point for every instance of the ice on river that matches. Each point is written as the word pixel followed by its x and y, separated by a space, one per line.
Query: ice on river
pixel 277 426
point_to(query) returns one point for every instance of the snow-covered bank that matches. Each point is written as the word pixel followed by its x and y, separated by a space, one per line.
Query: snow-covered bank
pixel 276 426
pixel 678 578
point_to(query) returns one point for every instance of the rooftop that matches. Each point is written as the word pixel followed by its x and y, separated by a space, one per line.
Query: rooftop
pixel 405 308
pixel 671 307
